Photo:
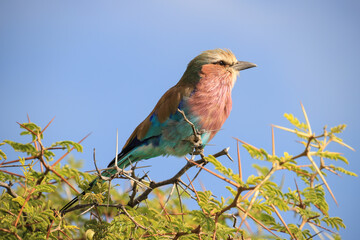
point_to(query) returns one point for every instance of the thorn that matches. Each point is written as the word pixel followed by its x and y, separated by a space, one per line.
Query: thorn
pixel 291 130
pixel 70 150
pixel 47 125
pixel 239 160
pixel 243 142
pixel 273 140
pixel 306 118
pixel 322 177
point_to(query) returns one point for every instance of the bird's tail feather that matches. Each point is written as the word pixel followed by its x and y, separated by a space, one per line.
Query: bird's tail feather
pixel 123 162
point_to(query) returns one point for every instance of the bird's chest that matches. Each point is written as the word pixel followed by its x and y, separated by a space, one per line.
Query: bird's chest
pixel 211 104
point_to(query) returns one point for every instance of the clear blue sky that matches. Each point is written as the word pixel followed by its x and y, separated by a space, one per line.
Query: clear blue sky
pixel 102 65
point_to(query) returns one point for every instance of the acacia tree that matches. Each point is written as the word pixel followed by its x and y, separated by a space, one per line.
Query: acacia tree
pixel 156 210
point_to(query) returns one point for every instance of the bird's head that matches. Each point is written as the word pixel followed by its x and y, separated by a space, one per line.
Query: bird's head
pixel 218 61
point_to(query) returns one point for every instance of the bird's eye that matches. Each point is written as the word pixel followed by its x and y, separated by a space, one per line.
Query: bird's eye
pixel 222 63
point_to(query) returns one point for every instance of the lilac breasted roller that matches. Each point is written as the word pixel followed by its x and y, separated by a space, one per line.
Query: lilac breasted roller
pixel 203 94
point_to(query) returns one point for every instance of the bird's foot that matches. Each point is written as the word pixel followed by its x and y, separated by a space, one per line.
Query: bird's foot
pixel 197 144
pixel 198 151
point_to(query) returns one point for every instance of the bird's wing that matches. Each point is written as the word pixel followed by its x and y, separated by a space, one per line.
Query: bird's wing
pixel 151 126
pixel 166 106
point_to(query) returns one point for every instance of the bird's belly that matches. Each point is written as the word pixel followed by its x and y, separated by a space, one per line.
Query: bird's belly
pixel 175 137
pixel 177 133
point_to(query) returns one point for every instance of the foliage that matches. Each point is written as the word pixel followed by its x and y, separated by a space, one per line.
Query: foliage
pixel 36 187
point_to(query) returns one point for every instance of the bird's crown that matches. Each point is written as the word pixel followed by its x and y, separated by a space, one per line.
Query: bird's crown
pixel 223 56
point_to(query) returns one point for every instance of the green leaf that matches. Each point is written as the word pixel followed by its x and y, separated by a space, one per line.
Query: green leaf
pixel 19 147
pixel 21 201
pixel 261 170
pixel 233 191
pixel 300 134
pixel 334 222
pixel 49 155
pixel 255 153
pixel 294 121
pixel 22 160
pixel 92 196
pixel 316 196
pixel 45 188
pixel 267 219
pixel 287 158
pixel 254 180
pixel 68 145
pixel 33 127
pixel 340 169
pixel 226 171
pixel 332 155
pixel 262 207
pixel 338 129
pixel 2 155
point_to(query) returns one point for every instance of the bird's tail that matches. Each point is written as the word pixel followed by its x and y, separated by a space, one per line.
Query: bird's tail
pixel 75 199
pixel 123 162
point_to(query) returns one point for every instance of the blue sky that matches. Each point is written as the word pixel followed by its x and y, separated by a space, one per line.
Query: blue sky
pixel 98 66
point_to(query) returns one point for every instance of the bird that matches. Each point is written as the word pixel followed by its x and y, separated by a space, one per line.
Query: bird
pixel 202 95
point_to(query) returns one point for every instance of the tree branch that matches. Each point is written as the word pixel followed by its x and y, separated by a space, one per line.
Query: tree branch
pixel 8 189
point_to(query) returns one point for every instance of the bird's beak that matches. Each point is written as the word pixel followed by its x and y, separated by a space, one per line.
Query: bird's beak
pixel 241 65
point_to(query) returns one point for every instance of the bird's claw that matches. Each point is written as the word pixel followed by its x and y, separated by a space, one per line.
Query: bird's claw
pixel 197 144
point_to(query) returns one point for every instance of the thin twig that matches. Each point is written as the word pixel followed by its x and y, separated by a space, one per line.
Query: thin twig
pixel 131 218
pixel 8 189
pixel 62 157
pixel 181 207
pixel 301 203
pixel 154 185
pixel 14 174
pixel 13 233
pixel 321 176
pixel 168 199
pixel 321 227
pixel 281 219
pixel 215 174
pixel 257 221
pixel 197 196
pixel 22 207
